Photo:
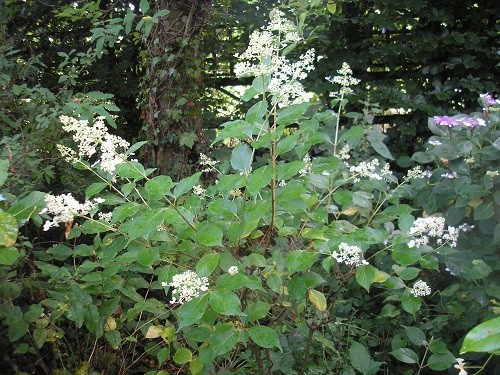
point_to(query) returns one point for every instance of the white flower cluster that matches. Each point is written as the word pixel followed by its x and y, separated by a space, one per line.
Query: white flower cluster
pixel 492 173
pixel 65 208
pixel 233 270
pixel 106 216
pixel 450 176
pixel 425 228
pixel 460 366
pixel 344 152
pixel 435 143
pixel 369 169
pixel 420 289
pixel 350 255
pixel 263 58
pixel 307 167
pixel 89 138
pixel 198 190
pixel 208 163
pixel 345 79
pixel 414 173
pixel 187 285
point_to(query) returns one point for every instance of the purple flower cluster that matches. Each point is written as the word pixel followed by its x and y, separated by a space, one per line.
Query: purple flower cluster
pixel 489 100
pixel 470 122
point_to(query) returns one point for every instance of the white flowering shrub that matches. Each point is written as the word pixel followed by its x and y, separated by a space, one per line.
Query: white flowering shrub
pixel 300 252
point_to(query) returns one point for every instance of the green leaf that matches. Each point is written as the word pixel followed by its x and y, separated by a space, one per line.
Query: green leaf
pixel 484 211
pixel 9 255
pixel 361 360
pixel 209 234
pixel 4 168
pixel 191 311
pixel 159 186
pixel 225 302
pixel 318 299
pixel 485 337
pixel 94 189
pixel 415 335
pixel 405 355
pixel 186 184
pixel 441 361
pixel 224 338
pixel 238 129
pixel 241 158
pixel 376 137
pixel 39 336
pixel 113 338
pixel 207 264
pixel 258 179
pixel 28 206
pixel 182 356
pixel 162 355
pixel 146 257
pixel 187 139
pixel 291 114
pixel 299 260
pixel 261 83
pixel 257 310
pixel 144 6
pixel 256 112
pixel 132 170
pixel 287 144
pixel 410 303
pixel 365 276
pixel 353 133
pixel 144 225
pixel 265 337
pixel 404 255
pixel 8 230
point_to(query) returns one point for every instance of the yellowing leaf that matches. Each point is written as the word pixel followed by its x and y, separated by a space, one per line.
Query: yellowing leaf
pixel 318 299
pixel 349 211
pixel 380 276
pixel 110 324
pixel 154 332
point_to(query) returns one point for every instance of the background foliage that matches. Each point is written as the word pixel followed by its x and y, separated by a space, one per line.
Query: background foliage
pixel 88 298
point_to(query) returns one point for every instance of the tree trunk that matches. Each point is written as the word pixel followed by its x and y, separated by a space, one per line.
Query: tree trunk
pixel 173 85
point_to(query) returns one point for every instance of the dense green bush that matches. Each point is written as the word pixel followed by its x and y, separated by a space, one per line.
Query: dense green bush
pixel 301 252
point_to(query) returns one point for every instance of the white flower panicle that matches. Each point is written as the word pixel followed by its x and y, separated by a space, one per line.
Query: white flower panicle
pixel 349 255
pixel 307 167
pixel 345 79
pixel 420 289
pixel 425 228
pixel 65 208
pixel 369 169
pixel 233 270
pixel 90 138
pixel 344 152
pixel 414 173
pixel 106 216
pixel 492 173
pixel 263 57
pixel 199 190
pixel 208 163
pixel 187 285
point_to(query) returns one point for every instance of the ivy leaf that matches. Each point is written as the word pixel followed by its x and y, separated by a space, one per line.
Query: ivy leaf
pixel 265 337
pixel 187 139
